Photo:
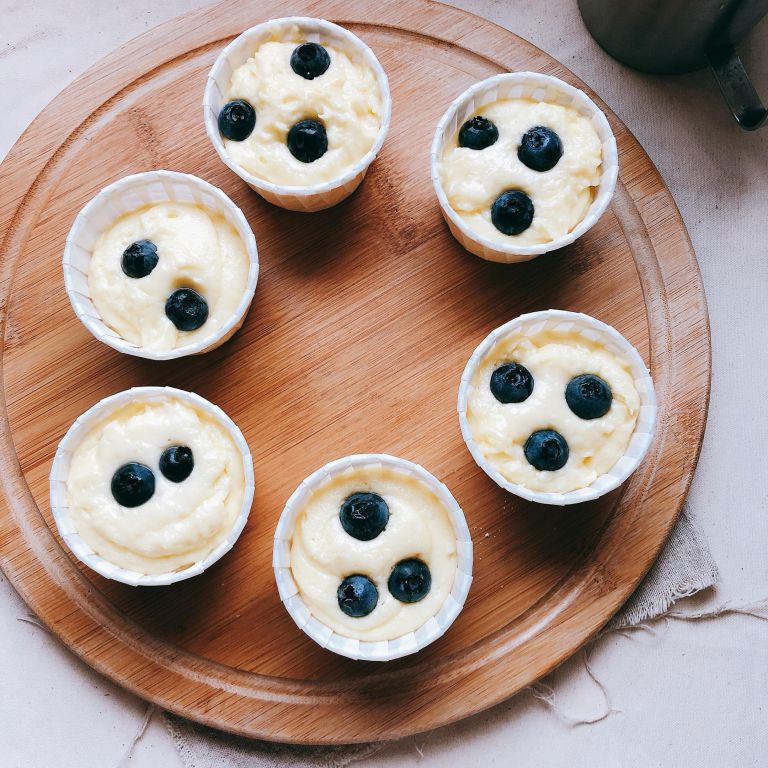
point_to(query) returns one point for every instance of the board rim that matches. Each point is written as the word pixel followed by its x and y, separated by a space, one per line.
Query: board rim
pixel 21 533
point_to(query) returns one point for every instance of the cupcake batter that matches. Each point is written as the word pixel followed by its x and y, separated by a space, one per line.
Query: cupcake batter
pixel 323 554
pixel 196 249
pixel 182 522
pixel 472 179
pixel 346 98
pixel 553 358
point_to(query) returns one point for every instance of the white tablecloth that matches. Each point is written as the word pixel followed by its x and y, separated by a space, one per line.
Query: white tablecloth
pixel 695 693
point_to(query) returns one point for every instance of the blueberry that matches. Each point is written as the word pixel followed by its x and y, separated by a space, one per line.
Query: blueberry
pixel 410 580
pixel 364 515
pixel 133 484
pixel 186 309
pixel 357 595
pixel 237 120
pixel 177 463
pixel 588 396
pixel 511 383
pixel 540 149
pixel 512 212
pixel 546 450
pixel 307 140
pixel 310 60
pixel 139 258
pixel 478 133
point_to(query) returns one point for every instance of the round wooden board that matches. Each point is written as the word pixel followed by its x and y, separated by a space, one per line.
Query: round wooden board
pixel 363 319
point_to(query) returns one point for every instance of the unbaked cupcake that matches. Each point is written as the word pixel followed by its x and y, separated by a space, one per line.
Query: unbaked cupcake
pixel 298 107
pixel 151 486
pixel 557 407
pixel 161 265
pixel 522 164
pixel 373 557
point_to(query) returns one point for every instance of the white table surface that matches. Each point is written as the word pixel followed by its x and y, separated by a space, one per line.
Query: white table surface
pixel 695 694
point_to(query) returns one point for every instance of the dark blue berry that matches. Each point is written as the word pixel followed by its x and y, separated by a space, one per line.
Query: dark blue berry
pixel 546 450
pixel 177 463
pixel 588 396
pixel 133 484
pixel 307 140
pixel 512 212
pixel 364 515
pixel 357 595
pixel 478 133
pixel 540 149
pixel 310 60
pixel 237 120
pixel 511 383
pixel 139 258
pixel 186 309
pixel 410 580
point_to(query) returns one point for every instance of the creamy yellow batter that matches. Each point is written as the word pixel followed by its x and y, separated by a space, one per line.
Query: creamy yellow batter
pixel 196 249
pixel 182 523
pixel 553 359
pixel 323 554
pixel 346 99
pixel 472 179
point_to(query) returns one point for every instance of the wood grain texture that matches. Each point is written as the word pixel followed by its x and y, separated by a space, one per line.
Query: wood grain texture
pixel 363 320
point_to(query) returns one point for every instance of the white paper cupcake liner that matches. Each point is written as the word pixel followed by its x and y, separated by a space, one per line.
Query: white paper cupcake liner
pixel 125 196
pixel 385 650
pixel 317 196
pixel 538 87
pixel 60 472
pixel 615 343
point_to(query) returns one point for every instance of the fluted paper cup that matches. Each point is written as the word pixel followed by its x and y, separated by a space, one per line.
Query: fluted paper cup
pixel 384 650
pixel 537 87
pixel 314 197
pixel 125 196
pixel 60 473
pixel 595 331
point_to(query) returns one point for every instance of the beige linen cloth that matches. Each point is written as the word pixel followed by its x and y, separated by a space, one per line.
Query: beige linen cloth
pixel 684 568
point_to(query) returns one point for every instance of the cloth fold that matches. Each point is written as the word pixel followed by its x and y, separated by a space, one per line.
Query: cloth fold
pixel 684 567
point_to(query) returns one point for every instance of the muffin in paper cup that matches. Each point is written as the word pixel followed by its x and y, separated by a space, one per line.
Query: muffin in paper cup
pixel 127 196
pixel 60 471
pixel 313 197
pixel 379 650
pixel 537 88
pixel 593 331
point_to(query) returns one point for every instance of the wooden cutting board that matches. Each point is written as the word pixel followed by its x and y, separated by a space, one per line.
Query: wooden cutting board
pixel 363 320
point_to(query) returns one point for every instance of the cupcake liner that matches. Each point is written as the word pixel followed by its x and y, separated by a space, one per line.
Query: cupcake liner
pixel 614 342
pixel 317 196
pixel 60 472
pixel 538 87
pixel 125 196
pixel 384 650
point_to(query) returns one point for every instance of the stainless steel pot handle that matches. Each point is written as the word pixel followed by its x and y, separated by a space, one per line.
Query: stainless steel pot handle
pixel 736 87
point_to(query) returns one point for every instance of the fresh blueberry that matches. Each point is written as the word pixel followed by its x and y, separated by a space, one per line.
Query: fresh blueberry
pixel 546 450
pixel 357 595
pixel 237 120
pixel 133 484
pixel 540 149
pixel 512 212
pixel 511 383
pixel 177 463
pixel 478 133
pixel 364 515
pixel 307 140
pixel 410 580
pixel 588 396
pixel 139 258
pixel 186 309
pixel 310 60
